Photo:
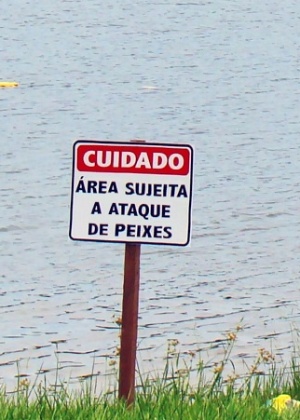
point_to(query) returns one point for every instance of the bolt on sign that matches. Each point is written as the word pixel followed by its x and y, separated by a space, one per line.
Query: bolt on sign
pixel 131 192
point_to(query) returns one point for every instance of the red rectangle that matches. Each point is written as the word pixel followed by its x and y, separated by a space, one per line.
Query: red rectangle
pixel 139 159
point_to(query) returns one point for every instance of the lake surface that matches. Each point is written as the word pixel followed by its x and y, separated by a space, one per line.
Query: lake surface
pixel 221 76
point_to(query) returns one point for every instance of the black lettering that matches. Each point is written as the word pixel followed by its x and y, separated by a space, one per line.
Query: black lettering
pixel 102 187
pixel 157 190
pixel 168 232
pixel 130 231
pixel 113 209
pixel 165 211
pixel 103 229
pixel 144 211
pixel 130 189
pixel 113 188
pixel 147 232
pixel 119 228
pixel 182 191
pixel 157 231
pixel 155 210
pixel 96 208
pixel 92 187
pixel 132 210
pixel 173 189
pixel 81 186
pixel 123 208
pixel 92 229
pixel 138 231
pixel 140 189
pixel 135 231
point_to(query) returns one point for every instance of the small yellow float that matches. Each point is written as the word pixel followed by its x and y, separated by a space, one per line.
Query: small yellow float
pixel 283 402
pixel 8 84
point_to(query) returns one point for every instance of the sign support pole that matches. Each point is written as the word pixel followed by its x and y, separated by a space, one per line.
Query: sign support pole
pixel 162 173
pixel 129 322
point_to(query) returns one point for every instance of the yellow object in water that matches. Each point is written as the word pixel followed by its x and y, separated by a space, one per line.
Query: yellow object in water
pixel 8 84
pixel 284 401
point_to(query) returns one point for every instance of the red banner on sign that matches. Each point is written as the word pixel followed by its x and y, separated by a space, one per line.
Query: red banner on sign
pixel 137 159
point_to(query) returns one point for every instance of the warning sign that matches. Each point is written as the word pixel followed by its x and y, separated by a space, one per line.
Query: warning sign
pixel 131 192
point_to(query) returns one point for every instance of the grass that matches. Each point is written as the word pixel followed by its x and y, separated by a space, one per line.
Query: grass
pixel 223 396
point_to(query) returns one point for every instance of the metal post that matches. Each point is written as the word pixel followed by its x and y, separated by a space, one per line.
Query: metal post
pixel 129 322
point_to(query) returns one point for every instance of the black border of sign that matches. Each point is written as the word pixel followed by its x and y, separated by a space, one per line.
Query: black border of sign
pixel 139 144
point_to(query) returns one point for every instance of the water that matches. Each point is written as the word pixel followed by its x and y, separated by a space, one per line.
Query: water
pixel 222 77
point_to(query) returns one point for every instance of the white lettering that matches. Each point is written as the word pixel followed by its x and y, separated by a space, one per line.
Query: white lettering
pixel 86 158
pixel 116 159
pixel 160 161
pixel 172 161
pixel 100 159
pixel 128 159
pixel 143 160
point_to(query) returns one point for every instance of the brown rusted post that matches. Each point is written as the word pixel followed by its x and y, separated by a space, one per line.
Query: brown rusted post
pixel 129 330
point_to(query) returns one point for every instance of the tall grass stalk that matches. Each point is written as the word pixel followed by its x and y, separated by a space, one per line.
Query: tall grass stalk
pixel 171 395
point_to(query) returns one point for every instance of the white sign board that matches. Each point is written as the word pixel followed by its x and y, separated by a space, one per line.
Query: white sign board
pixel 131 192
